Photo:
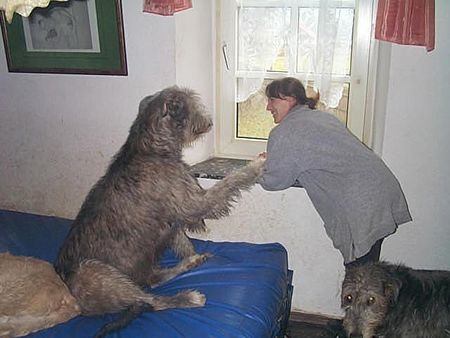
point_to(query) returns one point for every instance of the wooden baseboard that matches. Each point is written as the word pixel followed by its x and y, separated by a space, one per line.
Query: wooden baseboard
pixel 313 318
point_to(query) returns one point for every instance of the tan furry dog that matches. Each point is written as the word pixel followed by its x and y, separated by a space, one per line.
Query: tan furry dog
pixel 142 205
pixel 32 296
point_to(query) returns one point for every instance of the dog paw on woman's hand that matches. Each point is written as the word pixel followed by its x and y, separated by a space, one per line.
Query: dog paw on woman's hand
pixel 260 158
pixel 258 163
pixel 262 155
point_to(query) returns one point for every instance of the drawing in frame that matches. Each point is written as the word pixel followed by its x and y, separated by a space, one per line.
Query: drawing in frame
pixel 69 37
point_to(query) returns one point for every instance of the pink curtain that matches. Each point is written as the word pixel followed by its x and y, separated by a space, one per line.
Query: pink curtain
pixel 166 7
pixel 407 22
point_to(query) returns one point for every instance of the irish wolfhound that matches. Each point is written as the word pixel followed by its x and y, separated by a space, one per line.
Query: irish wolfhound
pixel 394 301
pixel 143 204
pixel 32 296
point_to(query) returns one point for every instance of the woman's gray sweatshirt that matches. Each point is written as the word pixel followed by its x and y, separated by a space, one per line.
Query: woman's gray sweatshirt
pixel 355 193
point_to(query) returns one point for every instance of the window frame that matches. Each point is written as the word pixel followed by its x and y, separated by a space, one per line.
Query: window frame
pixel 362 79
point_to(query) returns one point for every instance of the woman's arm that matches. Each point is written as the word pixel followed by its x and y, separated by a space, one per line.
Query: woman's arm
pixel 281 167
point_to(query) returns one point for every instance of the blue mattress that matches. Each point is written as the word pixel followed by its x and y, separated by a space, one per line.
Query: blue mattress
pixel 247 286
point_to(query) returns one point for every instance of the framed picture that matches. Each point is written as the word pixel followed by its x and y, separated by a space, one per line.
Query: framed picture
pixel 70 37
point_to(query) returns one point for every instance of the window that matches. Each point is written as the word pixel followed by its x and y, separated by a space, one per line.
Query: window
pixel 324 43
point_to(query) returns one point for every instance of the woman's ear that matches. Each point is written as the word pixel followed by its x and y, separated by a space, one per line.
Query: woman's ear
pixel 291 100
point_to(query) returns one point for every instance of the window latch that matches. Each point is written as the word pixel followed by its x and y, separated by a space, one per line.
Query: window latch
pixel 225 55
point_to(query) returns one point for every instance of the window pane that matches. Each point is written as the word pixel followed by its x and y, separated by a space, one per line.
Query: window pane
pixel 308 19
pixel 262 38
pixel 341 111
pixel 254 121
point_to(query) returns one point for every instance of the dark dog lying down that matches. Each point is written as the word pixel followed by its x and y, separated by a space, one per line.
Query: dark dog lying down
pixel 394 301
pixel 142 205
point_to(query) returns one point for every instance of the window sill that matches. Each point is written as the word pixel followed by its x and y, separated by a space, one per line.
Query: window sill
pixel 217 168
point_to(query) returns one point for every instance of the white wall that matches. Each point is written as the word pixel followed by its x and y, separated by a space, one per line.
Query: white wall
pixel 416 146
pixel 194 65
pixel 289 218
pixel 58 133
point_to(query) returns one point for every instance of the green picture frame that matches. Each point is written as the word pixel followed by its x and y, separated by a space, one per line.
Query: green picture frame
pixel 73 37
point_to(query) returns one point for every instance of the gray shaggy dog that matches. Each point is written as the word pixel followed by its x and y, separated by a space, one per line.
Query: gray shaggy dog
pixel 394 301
pixel 141 206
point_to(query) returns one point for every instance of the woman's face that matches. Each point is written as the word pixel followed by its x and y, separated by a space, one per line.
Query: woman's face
pixel 280 107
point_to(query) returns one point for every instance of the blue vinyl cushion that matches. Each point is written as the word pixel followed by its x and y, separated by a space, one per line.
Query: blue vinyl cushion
pixel 246 286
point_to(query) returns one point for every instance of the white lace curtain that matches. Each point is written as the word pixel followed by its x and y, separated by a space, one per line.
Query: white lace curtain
pixel 265 34
pixel 22 7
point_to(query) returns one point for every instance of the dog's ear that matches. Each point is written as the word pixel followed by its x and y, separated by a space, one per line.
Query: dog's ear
pixel 392 289
pixel 175 109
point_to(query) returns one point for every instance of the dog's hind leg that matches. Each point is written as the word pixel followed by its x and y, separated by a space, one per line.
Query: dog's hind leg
pixel 161 275
pixel 183 248
pixel 181 244
pixel 100 288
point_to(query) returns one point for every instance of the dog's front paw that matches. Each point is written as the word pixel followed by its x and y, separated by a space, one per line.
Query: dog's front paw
pixel 257 164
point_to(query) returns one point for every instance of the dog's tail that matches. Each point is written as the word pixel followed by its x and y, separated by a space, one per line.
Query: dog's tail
pixel 125 317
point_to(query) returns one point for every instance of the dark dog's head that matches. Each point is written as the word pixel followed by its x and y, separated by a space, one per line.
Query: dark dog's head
pixel 368 291
pixel 168 121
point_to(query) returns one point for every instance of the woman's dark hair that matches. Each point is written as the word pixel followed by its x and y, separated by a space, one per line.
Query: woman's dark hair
pixel 290 86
